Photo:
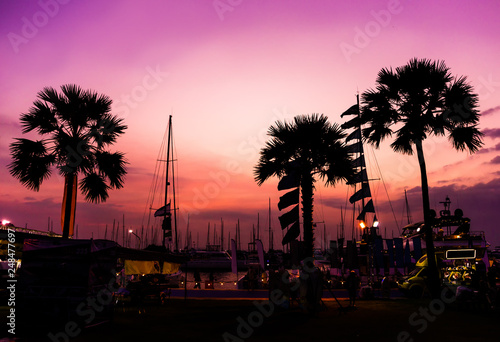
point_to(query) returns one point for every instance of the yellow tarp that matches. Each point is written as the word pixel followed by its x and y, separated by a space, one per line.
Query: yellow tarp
pixel 149 267
pixel 170 267
pixel 141 267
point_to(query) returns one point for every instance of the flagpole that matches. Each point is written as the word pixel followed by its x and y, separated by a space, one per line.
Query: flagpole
pixel 166 177
pixel 173 186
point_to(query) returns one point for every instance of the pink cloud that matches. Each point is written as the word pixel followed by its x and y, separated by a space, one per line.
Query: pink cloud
pixel 490 111
pixel 492 132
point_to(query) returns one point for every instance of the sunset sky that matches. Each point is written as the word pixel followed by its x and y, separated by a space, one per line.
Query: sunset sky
pixel 227 70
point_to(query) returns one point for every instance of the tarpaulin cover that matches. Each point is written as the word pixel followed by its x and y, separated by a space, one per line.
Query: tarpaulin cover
pixel 141 267
pixel 149 267
pixel 170 267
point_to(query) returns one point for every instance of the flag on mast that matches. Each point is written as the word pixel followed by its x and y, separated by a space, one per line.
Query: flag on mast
pixel 353 110
pixel 163 210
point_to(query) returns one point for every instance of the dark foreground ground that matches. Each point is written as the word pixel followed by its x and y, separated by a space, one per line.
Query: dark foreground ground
pixel 228 320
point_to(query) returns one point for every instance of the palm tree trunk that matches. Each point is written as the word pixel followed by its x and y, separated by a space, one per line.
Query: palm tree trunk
pixel 429 241
pixel 306 184
pixel 69 203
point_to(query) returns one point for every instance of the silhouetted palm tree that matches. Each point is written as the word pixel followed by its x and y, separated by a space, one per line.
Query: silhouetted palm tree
pixel 312 147
pixel 415 101
pixel 77 127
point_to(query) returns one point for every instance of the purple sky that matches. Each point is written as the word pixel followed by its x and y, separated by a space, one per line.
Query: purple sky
pixel 227 70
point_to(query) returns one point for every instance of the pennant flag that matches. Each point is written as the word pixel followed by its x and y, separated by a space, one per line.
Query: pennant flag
pixel 359 162
pixel 292 233
pixel 289 181
pixel 354 135
pixel 399 255
pixel 163 210
pixel 407 257
pixel 260 253
pixel 361 216
pixel 351 255
pixel 364 192
pixel 378 249
pixel 353 110
pixel 390 252
pixel 357 147
pixel 367 209
pixel 289 217
pixel 234 257
pixel 69 191
pixel 351 123
pixel 417 247
pixel 288 199
pixel 359 177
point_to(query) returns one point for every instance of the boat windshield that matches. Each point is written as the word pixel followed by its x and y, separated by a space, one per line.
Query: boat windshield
pixel 414 272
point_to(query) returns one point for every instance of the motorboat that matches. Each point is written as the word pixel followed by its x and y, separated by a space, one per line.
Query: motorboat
pixel 215 260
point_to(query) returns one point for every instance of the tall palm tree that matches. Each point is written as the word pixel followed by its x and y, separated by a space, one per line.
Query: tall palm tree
pixel 77 128
pixel 415 101
pixel 312 147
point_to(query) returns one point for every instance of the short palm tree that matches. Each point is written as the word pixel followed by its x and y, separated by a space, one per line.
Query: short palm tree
pixel 77 128
pixel 415 101
pixel 312 147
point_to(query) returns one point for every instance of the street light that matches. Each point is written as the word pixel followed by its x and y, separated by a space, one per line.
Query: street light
pixel 375 221
pixel 137 236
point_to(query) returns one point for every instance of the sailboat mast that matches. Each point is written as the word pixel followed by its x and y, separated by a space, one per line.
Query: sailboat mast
pixel 364 181
pixel 341 223
pixel 173 185
pixel 258 226
pixel 208 237
pixel 360 165
pixel 168 159
pixel 166 214
pixel 221 234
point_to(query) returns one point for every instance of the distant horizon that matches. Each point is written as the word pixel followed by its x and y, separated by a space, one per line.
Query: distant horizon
pixel 226 74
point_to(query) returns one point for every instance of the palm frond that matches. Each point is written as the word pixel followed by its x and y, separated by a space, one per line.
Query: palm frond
pixel 106 130
pixel 50 95
pixel 97 105
pixel 40 118
pixel 112 166
pixel 466 138
pixel 461 103
pixel 31 163
pixel 94 188
pixel 402 145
